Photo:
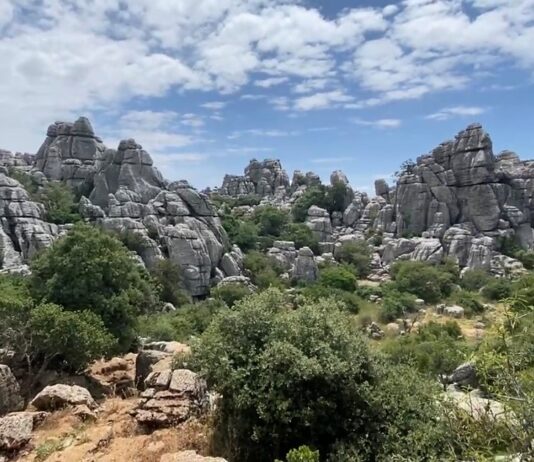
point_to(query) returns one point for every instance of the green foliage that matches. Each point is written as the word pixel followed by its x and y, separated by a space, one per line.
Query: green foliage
pixel 497 289
pixel 350 300
pixel 288 377
pixel 315 195
pixel 396 305
pixel 431 283
pixel 59 202
pixel 357 254
pixel 338 277
pixel 434 350
pixel 270 220
pixel 406 168
pixel 302 454
pixel 26 180
pixel 263 272
pixel 89 269
pixel 242 233
pixel 301 235
pixel 469 301
pixel 231 293
pixel 131 239
pixel 168 276
pixel 474 279
pixel 527 258
pixel 305 376
pixel 336 197
pixel 75 337
pixel 181 325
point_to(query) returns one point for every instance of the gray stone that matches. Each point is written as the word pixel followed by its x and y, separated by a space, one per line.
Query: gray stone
pixel 305 269
pixel 10 397
pixel 57 396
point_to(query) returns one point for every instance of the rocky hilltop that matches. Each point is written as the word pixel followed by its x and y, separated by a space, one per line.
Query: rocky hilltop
pixel 459 201
pixel 120 190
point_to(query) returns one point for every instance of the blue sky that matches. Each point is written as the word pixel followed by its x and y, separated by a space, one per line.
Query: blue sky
pixel 206 85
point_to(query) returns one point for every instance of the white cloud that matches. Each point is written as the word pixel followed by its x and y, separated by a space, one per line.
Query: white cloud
pixel 457 111
pixel 330 160
pixel 380 123
pixel 214 105
pixel 271 82
pixel 321 100
pixel 269 133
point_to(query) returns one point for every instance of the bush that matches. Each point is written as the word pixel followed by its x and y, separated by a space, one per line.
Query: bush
pixel 181 325
pixel 351 301
pixel 231 293
pixel 396 305
pixel 428 282
pixel 245 236
pixel 26 180
pixel 527 258
pixel 357 254
pixel 89 269
pixel 270 220
pixel 315 195
pixel 59 203
pixel 434 350
pixel 302 454
pixel 336 197
pixel 305 377
pixel 469 301
pixel 168 277
pixel 301 235
pixel 338 277
pixel 497 289
pixel 263 271
pixel 474 279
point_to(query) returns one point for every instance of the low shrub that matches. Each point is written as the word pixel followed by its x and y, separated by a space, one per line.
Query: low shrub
pixel 497 289
pixel 396 305
pixel 474 279
pixel 469 301
pixel 231 293
pixel 338 277
pixel 357 254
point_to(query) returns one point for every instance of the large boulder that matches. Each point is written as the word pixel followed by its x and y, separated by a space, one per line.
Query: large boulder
pixel 318 220
pixel 58 396
pixel 189 456
pixel 16 429
pixel 305 268
pixel 10 397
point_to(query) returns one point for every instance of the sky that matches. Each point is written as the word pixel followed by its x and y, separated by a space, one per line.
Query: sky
pixel 206 85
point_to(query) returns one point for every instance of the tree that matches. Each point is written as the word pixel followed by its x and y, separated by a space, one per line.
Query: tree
pixel 168 276
pixel 90 269
pixel 357 254
pixel 46 335
pixel 336 197
pixel 301 235
pixel 315 195
pixel 305 376
pixel 59 203
pixel 338 277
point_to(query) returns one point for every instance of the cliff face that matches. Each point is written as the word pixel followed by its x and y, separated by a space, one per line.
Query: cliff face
pixel 122 191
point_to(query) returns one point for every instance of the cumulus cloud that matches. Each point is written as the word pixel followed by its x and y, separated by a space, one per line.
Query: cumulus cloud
pixel 380 123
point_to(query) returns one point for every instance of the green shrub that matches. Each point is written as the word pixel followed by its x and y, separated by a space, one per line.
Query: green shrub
pixel 181 325
pixel 336 197
pixel 315 195
pixel 469 301
pixel 243 233
pixel 396 305
pixel 270 220
pixel 131 239
pixel 357 254
pixel 426 281
pixel 301 235
pixel 497 289
pixel 90 269
pixel 302 454
pixel 434 350
pixel 527 258
pixel 263 271
pixel 168 276
pixel 338 277
pixel 231 293
pixel 26 180
pixel 59 203
pixel 474 279
pixel 350 300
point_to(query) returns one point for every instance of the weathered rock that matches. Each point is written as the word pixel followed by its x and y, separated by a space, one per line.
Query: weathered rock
pixel 57 396
pixel 305 269
pixel 318 221
pixel 115 377
pixel 171 397
pixel 464 375
pixel 144 362
pixel 10 397
pixel 16 429
pixel 454 311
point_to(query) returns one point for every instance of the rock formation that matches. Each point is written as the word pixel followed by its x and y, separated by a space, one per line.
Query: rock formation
pixel 10 397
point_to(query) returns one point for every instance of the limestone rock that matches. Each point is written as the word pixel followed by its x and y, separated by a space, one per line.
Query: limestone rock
pixel 10 397
pixel 305 269
pixel 144 362
pixel 189 456
pixel 318 221
pixel 16 429
pixel 57 396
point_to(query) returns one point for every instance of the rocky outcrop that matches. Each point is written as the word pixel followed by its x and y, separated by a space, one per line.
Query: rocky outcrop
pixel 69 153
pixel 261 178
pixel 318 221
pixel 10 397
pixel 60 395
pixel 189 456
pixel 170 398
pixel 305 268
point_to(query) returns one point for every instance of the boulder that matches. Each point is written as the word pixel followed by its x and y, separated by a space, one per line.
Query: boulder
pixel 10 397
pixel 144 362
pixel 16 429
pixel 189 456
pixel 318 220
pixel 305 268
pixel 58 396
pixel 454 311
pixel 464 375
